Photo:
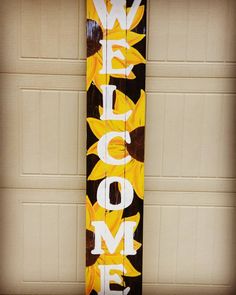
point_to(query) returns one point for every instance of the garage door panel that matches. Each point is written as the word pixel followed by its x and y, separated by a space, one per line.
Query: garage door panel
pixel 224 243
pixel 194 135
pixel 151 231
pixel 43 244
pixel 58 135
pixel 218 16
pixel 227 144
pixel 45 241
pixel 182 260
pixel 31 241
pixel 49 131
pixel 231 34
pixel 44 138
pixel 190 176
pixel 44 28
pixel 43 132
pixel 30 28
pixel 191 31
pixel 37 38
pixel 43 36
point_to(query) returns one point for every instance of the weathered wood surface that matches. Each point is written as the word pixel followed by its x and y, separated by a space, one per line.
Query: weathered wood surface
pixel 115 145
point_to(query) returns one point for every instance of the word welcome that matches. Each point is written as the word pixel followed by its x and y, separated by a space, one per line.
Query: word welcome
pixel 109 273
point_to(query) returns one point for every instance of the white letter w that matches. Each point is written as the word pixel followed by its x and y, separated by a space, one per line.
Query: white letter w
pixel 117 12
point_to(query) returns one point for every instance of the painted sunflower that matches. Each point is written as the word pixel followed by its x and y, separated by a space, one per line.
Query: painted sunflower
pixel 134 169
pixel 96 32
pixel 113 221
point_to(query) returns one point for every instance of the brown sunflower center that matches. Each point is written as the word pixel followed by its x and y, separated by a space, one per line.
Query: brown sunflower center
pixel 94 35
pixel 90 243
pixel 136 147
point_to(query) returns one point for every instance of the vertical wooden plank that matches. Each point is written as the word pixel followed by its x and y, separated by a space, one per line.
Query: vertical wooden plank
pixel 231 34
pixel 115 142
pixel 227 144
pixel 50 24
pixel 151 232
pixel 81 246
pixel 223 246
pixel 67 242
pixel 82 134
pixel 32 242
pixel 121 84
pixel 186 245
pixel 155 125
pixel 69 29
pixel 191 150
pixel 49 242
pixel 49 111
pixel 211 128
pixel 178 26
pixel 30 28
pixel 204 245
pixel 82 30
pixel 197 33
pixel 168 244
pixel 216 37
pixel 68 132
pixel 158 30
pixel 173 134
pixel 30 131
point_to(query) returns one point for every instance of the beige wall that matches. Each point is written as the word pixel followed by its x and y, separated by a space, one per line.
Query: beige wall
pixel 190 147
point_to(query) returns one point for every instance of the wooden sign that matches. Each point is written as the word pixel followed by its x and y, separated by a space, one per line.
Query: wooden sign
pixel 115 145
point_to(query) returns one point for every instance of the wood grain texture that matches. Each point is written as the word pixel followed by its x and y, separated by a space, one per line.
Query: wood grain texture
pixel 115 58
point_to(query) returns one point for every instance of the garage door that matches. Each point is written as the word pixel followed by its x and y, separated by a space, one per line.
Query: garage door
pixel 189 231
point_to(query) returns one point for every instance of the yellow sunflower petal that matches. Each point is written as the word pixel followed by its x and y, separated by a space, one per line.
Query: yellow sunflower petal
pixel 139 180
pixel 132 56
pixel 91 66
pixel 100 109
pixel 137 245
pixel 118 152
pixel 100 79
pixel 115 125
pixel 90 215
pixel 121 64
pixel 120 259
pixel 138 16
pixel 130 270
pixel 121 246
pixel 134 172
pixel 131 76
pixel 98 172
pixel 123 103
pixel 116 34
pixel 137 118
pixel 114 260
pixel 102 170
pixel 113 220
pixel 118 170
pixel 100 212
pixel 90 278
pixel 93 149
pixel 98 127
pixel 135 218
pixel 92 12
pixel 133 38
pixel 97 279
